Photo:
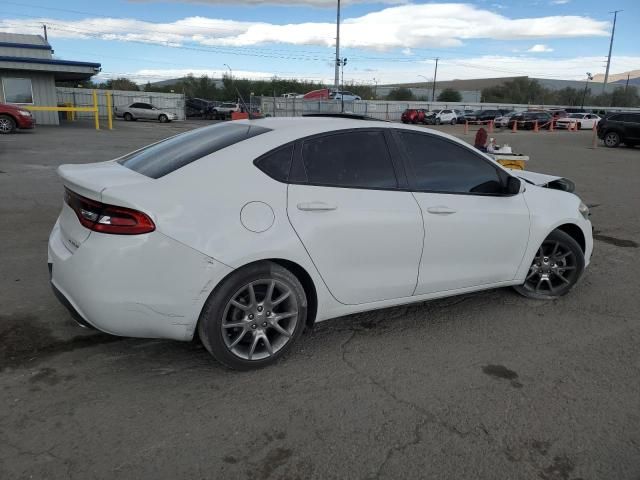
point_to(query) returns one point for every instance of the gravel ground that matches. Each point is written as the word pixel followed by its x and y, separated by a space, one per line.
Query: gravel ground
pixel 484 386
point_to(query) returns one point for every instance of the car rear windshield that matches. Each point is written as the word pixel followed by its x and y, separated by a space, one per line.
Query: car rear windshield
pixel 159 159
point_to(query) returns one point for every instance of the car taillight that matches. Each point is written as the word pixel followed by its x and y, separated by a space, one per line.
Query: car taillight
pixel 104 218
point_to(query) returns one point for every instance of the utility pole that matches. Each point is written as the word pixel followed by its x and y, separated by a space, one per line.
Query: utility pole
pixel 613 32
pixel 44 27
pixel 375 88
pixel 626 86
pixel 336 82
pixel 435 75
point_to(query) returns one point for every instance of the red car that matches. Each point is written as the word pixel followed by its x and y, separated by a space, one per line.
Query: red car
pixel 413 115
pixel 12 117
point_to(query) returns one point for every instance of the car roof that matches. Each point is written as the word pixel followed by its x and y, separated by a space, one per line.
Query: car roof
pixel 288 129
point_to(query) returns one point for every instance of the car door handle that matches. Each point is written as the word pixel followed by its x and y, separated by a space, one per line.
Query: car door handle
pixel 315 206
pixel 441 210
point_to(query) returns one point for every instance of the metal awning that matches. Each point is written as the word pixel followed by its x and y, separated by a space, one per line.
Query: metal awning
pixel 63 70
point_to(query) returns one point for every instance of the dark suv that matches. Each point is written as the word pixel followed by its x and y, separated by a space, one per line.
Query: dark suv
pixel 620 128
pixel 484 115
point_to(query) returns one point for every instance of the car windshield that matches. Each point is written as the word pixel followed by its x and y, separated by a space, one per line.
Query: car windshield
pixel 166 156
pixel 576 115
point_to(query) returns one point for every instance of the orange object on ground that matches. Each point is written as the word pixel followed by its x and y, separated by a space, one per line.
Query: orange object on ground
pixel 551 125
pixel 535 126
pixel 490 126
pixel 239 115
pixel 466 127
pixel 514 129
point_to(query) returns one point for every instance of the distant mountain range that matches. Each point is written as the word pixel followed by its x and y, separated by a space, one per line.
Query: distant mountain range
pixel 620 78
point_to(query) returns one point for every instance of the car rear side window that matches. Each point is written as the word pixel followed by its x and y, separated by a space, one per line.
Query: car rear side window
pixel 158 160
pixel 358 159
pixel 276 163
pixel 440 165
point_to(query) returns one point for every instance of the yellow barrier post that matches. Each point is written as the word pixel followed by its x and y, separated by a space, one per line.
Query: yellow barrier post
pixel 95 109
pixel 109 112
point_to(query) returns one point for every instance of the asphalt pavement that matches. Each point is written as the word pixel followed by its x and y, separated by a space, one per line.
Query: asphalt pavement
pixel 483 386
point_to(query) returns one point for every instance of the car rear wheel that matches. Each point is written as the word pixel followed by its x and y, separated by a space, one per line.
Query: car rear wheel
pixel 254 316
pixel 128 117
pixel 7 124
pixel 556 267
pixel 612 139
pixel 163 118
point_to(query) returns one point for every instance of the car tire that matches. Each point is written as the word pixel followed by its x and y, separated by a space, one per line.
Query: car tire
pixel 612 139
pixel 437 121
pixel 163 118
pixel 557 266
pixel 128 117
pixel 7 124
pixel 242 346
pixel 453 121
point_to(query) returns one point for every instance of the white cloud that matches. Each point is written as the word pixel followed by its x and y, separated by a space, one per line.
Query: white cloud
pixel 448 69
pixel 559 2
pixel 405 26
pixel 540 48
pixel 407 51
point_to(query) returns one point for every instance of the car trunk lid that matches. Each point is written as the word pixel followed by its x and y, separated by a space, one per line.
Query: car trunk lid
pixel 90 180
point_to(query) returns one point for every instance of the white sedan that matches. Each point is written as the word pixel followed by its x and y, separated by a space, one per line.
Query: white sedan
pixel 579 120
pixel 246 232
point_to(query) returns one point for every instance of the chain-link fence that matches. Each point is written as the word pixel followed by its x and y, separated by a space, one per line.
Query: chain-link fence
pixel 81 97
pixel 387 110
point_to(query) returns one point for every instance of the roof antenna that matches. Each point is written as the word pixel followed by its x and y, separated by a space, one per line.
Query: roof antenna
pixel 44 27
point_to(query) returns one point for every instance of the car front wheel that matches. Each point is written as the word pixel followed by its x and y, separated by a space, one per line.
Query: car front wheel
pixel 163 118
pixel 612 139
pixel 254 316
pixel 7 124
pixel 556 267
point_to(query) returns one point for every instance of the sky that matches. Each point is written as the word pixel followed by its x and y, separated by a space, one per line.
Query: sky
pixel 385 41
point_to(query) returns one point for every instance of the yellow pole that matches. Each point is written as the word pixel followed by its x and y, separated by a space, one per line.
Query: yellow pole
pixel 109 112
pixel 95 109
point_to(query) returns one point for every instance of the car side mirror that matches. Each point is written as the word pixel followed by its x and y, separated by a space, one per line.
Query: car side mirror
pixel 513 185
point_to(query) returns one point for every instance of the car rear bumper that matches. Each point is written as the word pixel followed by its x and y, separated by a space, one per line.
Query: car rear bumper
pixel 148 286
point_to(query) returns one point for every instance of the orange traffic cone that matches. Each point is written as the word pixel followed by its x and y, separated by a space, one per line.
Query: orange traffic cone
pixel 551 125
pixel 514 129
pixel 535 126
pixel 466 127
pixel 490 126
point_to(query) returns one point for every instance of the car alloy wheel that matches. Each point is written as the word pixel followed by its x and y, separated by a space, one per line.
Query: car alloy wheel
pixel 556 267
pixel 254 316
pixel 612 139
pixel 7 124
pixel 128 117
pixel 163 118
pixel 259 319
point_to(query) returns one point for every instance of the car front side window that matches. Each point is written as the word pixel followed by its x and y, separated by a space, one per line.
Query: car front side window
pixel 442 166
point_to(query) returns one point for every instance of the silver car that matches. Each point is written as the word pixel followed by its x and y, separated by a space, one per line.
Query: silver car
pixel 144 111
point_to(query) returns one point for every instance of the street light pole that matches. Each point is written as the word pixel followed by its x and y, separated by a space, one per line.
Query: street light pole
pixel 375 89
pixel 435 75
pixel 586 84
pixel 342 63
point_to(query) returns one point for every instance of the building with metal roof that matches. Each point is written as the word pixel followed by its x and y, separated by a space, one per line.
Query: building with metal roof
pixel 28 73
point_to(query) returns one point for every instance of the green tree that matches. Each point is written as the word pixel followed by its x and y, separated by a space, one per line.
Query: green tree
pixel 449 95
pixel 121 83
pixel 519 90
pixel 401 93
